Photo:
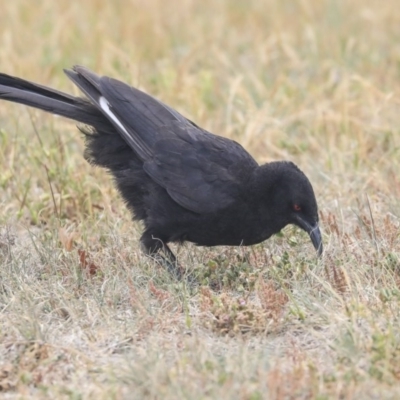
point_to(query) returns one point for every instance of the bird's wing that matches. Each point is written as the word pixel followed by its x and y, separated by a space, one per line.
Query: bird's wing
pixel 134 114
pixel 201 171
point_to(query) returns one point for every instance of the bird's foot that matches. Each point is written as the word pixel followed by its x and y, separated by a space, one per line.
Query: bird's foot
pixel 172 266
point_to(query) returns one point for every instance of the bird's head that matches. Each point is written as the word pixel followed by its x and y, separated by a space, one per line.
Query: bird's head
pixel 293 200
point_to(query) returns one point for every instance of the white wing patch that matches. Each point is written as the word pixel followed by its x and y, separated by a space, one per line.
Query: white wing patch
pixel 135 143
pixel 106 108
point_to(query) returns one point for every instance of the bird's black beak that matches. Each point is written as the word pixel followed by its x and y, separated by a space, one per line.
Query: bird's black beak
pixel 313 231
pixel 316 238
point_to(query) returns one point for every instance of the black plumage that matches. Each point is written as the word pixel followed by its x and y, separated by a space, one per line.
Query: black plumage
pixel 182 182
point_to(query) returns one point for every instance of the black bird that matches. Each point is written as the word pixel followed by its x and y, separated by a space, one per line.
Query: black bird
pixel 183 182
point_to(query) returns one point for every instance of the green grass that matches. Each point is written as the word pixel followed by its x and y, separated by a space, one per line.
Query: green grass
pixel 84 315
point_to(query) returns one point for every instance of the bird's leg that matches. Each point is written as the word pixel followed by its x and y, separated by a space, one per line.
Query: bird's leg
pixel 168 252
pixel 152 246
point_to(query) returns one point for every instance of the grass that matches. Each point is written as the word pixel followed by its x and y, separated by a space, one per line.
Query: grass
pixel 83 314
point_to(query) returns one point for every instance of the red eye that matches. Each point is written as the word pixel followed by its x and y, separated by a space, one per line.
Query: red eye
pixel 296 207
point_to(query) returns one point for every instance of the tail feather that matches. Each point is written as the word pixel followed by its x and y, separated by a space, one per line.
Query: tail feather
pixel 53 101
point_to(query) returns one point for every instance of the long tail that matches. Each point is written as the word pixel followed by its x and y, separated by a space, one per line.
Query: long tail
pixel 31 94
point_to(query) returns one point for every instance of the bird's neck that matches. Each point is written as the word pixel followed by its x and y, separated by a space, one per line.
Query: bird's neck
pixel 265 177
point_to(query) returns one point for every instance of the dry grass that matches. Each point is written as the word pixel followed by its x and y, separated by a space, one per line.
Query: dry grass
pixel 83 314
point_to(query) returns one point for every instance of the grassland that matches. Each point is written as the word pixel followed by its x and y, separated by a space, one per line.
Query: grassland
pixel 84 315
